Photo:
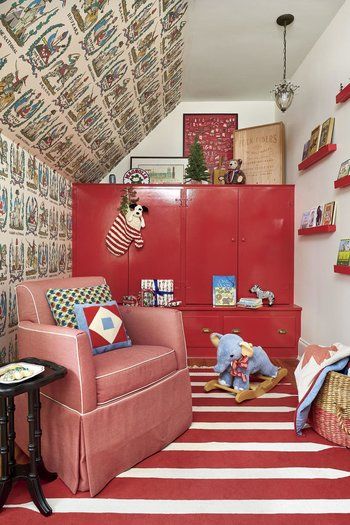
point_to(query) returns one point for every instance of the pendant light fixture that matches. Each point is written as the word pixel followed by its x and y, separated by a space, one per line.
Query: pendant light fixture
pixel 284 90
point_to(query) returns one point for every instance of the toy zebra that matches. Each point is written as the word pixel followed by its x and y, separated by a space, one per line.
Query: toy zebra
pixel 263 294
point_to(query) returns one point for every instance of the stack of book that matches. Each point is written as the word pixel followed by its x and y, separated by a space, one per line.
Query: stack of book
pixel 322 215
pixel 250 302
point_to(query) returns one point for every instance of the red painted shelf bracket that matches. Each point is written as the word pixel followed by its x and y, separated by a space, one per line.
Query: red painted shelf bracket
pixel 342 269
pixel 329 228
pixel 343 95
pixel 316 157
pixel 342 182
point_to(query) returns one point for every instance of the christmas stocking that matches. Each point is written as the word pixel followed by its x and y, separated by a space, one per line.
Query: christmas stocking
pixel 121 235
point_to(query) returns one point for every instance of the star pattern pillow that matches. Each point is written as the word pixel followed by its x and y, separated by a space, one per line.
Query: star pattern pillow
pixel 104 326
pixel 63 300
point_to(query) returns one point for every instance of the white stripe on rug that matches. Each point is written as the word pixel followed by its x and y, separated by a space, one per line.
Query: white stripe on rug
pixel 202 383
pixel 221 506
pixel 235 473
pixel 244 408
pixel 245 425
pixel 222 446
pixel 269 395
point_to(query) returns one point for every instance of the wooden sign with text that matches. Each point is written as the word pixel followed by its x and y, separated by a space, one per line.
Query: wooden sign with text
pixel 261 149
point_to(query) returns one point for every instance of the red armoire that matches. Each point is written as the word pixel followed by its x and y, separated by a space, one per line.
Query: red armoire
pixel 191 234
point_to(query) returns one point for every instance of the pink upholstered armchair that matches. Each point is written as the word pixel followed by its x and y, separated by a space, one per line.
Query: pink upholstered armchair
pixel 111 410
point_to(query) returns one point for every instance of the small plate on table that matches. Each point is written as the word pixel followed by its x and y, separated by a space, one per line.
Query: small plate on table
pixel 18 372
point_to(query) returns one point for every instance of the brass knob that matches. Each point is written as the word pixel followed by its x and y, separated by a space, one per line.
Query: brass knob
pixel 282 331
pixel 206 331
pixel 236 331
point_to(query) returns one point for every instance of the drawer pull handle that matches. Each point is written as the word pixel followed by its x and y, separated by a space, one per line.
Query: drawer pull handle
pixel 236 331
pixel 282 331
pixel 206 331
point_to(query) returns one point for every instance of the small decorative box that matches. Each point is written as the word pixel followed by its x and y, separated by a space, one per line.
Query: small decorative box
pixel 163 291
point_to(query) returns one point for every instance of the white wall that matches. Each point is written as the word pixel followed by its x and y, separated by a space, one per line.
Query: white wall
pixel 166 138
pixel 324 296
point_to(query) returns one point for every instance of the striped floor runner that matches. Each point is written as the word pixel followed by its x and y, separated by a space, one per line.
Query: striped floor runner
pixel 238 464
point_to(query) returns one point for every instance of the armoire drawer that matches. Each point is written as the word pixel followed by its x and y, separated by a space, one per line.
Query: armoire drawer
pixel 263 330
pixel 199 327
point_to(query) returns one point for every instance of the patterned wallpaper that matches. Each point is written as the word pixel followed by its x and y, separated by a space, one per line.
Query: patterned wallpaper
pixel 82 82
pixel 35 231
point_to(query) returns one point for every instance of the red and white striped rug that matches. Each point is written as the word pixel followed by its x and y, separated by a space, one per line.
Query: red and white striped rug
pixel 238 464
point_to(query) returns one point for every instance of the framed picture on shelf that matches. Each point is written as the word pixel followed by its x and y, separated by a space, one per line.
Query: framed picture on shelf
pixel 344 169
pixel 314 140
pixel 326 132
pixel 306 150
pixel 215 132
pixel 161 170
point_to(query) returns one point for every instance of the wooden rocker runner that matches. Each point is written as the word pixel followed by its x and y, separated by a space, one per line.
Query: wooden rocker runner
pixel 256 389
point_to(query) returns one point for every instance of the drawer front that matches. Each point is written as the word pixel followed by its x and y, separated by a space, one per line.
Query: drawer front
pixel 263 330
pixel 199 327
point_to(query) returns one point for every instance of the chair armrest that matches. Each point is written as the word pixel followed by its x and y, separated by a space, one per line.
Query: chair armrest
pixel 156 326
pixel 67 347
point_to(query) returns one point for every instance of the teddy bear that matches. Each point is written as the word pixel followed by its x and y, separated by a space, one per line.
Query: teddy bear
pixel 234 174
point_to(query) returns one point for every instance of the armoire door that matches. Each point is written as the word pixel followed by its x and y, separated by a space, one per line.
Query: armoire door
pixel 211 239
pixel 160 257
pixel 265 244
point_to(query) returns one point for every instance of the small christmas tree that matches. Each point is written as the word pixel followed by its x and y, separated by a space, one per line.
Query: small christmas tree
pixel 129 196
pixel 197 168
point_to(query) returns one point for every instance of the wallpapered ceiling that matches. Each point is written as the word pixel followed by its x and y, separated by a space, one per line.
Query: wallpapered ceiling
pixel 82 82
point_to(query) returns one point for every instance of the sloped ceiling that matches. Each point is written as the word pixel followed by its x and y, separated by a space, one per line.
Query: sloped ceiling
pixel 83 82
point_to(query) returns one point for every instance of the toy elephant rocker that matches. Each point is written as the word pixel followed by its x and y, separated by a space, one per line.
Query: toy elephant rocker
pixel 236 361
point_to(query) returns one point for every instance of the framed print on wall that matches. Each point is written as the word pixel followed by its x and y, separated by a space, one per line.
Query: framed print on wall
pixel 162 170
pixel 215 133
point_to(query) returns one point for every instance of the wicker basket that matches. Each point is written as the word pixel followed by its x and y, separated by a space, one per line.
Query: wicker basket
pixel 330 413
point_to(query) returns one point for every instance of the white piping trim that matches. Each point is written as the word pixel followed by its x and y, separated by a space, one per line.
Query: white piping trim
pixel 62 404
pixel 116 400
pixel 36 310
pixel 133 366
pixel 47 331
pixel 133 392
pixel 185 342
pixel 57 334
pixel 79 370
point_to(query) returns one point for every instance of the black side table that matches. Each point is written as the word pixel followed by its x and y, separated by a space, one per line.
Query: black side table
pixel 34 471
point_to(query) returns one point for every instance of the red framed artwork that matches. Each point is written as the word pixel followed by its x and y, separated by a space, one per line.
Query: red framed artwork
pixel 216 134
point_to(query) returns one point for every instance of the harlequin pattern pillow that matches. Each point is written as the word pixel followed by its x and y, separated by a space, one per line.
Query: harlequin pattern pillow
pixel 63 300
pixel 104 326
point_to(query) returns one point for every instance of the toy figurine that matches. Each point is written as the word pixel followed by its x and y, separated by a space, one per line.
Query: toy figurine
pixel 236 362
pixel 234 174
pixel 261 294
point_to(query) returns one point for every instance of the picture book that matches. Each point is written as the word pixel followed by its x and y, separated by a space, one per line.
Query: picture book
pixel 224 290
pixel 306 150
pixel 328 213
pixel 344 253
pixel 327 132
pixel 344 169
pixel 312 218
pixel 314 140
pixel 319 215
pixel 305 220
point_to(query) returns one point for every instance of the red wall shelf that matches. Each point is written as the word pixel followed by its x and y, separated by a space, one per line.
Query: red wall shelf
pixel 316 157
pixel 343 95
pixel 342 269
pixel 342 182
pixel 329 228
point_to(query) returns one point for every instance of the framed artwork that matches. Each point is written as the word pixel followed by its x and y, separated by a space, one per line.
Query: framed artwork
pixel 261 149
pixel 327 132
pixel 314 140
pixel 215 133
pixel 161 170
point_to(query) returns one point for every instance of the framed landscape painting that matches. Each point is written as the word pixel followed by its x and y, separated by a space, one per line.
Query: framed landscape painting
pixel 162 170
pixel 215 132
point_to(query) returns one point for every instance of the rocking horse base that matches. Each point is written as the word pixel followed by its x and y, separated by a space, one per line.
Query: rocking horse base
pixel 255 389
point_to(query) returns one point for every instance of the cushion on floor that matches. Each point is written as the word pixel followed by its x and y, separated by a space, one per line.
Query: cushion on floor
pixel 128 369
